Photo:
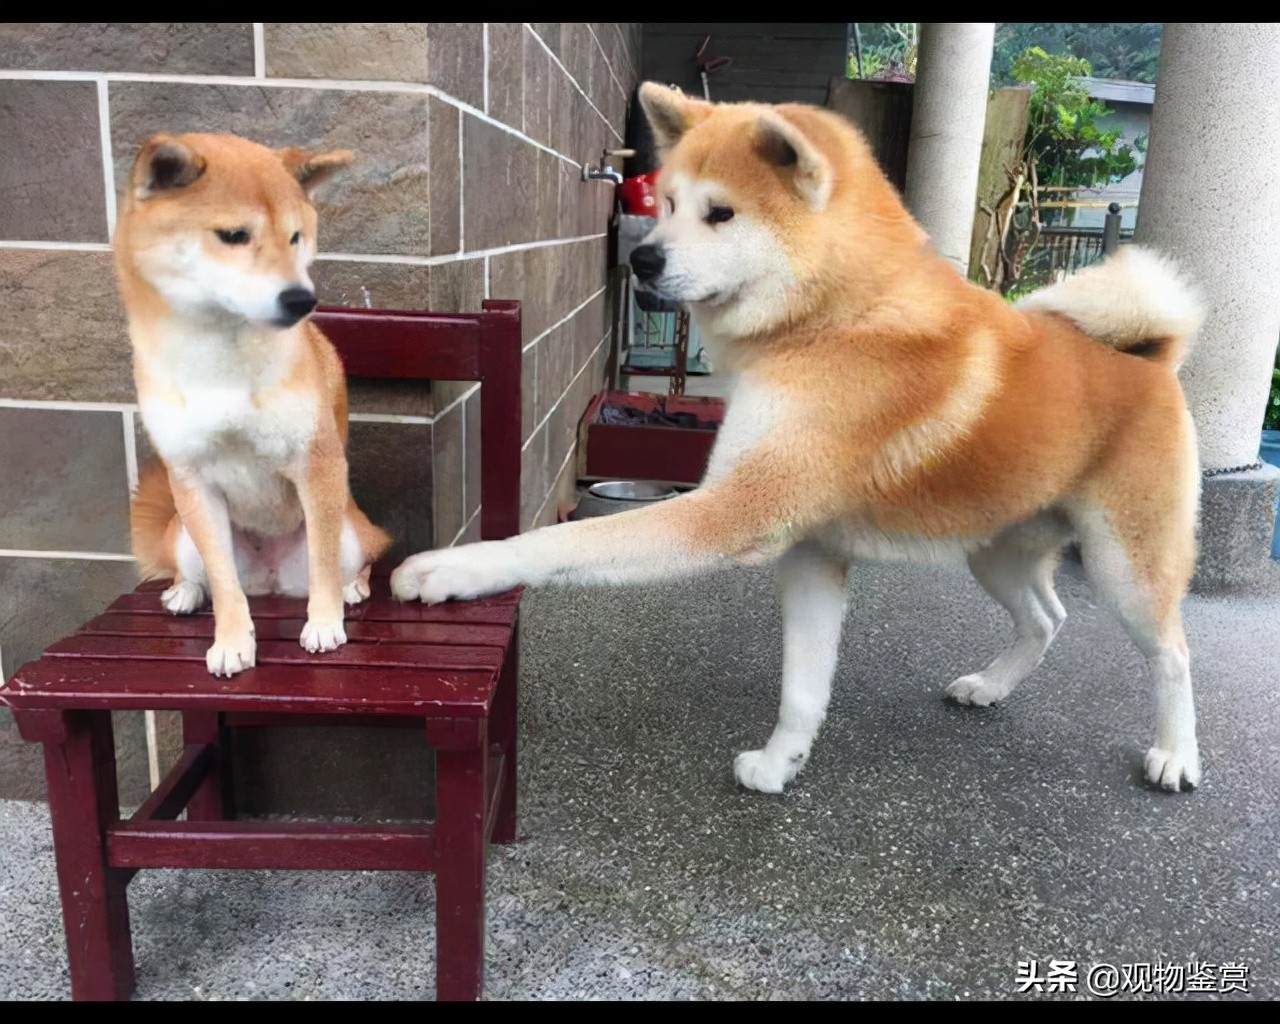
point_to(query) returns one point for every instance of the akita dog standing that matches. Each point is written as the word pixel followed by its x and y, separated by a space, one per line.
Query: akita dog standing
pixel 243 398
pixel 885 408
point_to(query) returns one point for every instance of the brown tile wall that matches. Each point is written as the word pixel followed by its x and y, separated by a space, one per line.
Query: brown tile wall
pixel 468 140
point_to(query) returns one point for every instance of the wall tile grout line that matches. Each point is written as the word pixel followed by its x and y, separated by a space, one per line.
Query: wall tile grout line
pixel 82 556
pixel 259 50
pixel 62 246
pixel 66 405
pixel 108 161
pixel 342 257
pixel 556 405
pixel 607 63
pixel 573 450
pixel 462 185
pixel 558 64
pixel 130 453
pixel 565 319
pixel 470 519
pixel 354 85
pixel 485 81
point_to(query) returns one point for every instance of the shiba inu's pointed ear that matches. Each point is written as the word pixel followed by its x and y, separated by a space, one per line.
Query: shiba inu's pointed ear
pixel 164 163
pixel 670 112
pixel 782 144
pixel 312 168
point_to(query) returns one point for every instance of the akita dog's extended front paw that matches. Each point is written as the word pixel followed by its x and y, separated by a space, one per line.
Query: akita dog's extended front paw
pixel 766 772
pixel 1170 769
pixel 976 689
pixel 230 655
pixel 183 598
pixel 462 573
pixel 320 635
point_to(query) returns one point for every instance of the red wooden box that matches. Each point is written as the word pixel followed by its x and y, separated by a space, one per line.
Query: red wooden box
pixel 648 451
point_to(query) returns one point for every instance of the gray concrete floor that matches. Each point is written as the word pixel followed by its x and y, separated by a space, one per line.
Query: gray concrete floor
pixel 926 849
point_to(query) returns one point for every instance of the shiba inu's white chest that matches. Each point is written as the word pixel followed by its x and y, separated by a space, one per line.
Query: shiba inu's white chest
pixel 231 422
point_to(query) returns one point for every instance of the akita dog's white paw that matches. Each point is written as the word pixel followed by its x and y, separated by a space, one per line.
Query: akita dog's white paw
pixel 978 690
pixel 1169 769
pixel 356 591
pixel 227 657
pixel 318 637
pixel 472 570
pixel 183 598
pixel 765 772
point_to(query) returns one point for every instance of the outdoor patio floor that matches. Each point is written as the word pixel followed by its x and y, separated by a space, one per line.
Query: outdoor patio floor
pixel 925 851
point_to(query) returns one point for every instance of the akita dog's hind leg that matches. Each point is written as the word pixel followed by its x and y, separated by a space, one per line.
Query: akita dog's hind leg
pixel 1142 574
pixel 1017 570
pixel 811 584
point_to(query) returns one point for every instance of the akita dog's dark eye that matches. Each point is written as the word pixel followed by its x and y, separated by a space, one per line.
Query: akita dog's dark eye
pixel 297 237
pixel 719 214
pixel 237 236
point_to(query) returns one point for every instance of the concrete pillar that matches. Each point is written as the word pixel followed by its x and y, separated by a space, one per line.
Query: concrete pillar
pixel 1211 199
pixel 949 110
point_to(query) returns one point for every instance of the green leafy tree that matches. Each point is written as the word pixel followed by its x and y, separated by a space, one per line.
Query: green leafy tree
pixel 1064 145
pixel 1129 51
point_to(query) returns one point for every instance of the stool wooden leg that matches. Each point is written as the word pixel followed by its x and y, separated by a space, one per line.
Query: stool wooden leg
pixel 460 843
pixel 504 718
pixel 80 767
pixel 213 800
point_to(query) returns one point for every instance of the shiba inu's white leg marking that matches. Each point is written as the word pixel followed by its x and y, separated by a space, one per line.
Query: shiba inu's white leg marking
pixel 188 593
pixel 811 584
pixel 1174 758
pixel 1022 581
pixel 322 491
pixel 204 517
pixel 358 589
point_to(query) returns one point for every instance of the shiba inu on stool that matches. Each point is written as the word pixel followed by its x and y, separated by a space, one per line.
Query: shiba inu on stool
pixel 244 399
pixel 886 408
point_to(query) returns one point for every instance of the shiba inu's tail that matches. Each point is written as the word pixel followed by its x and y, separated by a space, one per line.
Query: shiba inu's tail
pixel 1136 301
pixel 151 523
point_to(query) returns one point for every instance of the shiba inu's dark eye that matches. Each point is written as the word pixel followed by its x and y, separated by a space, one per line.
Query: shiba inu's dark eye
pixel 719 214
pixel 297 237
pixel 238 236
pixel 671 205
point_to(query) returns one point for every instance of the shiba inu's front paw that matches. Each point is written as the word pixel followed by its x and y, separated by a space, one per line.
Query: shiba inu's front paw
pixel 227 657
pixel 357 590
pixel 765 772
pixel 1169 769
pixel 320 636
pixel 183 598
pixel 472 570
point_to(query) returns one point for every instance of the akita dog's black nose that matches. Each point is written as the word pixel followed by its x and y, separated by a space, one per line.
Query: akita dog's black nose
pixel 647 261
pixel 297 303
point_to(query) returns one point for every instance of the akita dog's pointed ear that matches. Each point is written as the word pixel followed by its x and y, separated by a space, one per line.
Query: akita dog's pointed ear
pixel 783 145
pixel 164 163
pixel 313 168
pixel 670 112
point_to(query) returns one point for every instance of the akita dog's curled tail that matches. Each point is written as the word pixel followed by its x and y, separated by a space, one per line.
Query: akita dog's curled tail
pixel 243 398
pixel 886 408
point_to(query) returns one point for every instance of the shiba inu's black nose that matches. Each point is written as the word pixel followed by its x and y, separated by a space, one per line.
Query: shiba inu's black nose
pixel 647 261
pixel 297 303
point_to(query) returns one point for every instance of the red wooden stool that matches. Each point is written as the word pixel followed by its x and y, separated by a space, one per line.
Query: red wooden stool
pixel 448 669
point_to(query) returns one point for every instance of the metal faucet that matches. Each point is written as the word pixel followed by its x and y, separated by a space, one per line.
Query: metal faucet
pixel 604 171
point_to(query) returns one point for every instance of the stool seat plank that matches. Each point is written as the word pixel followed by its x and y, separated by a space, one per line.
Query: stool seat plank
pixel 137 684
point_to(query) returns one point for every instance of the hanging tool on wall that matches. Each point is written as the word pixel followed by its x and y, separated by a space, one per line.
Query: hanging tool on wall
pixel 709 66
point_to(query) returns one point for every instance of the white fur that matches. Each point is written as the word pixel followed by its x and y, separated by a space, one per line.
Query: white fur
pixel 199 286
pixel 1134 295
pixel 811 584
pixel 734 276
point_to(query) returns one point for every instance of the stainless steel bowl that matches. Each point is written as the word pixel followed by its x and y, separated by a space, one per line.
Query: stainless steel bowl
pixel 609 496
